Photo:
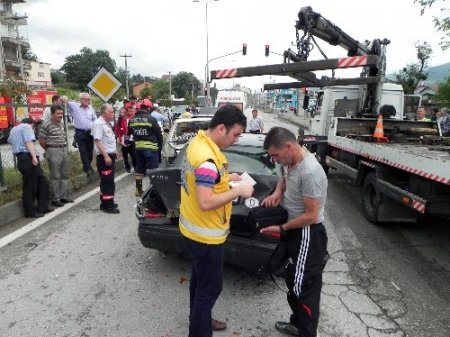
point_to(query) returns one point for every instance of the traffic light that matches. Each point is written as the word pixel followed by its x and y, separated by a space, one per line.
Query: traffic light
pixel 205 91
pixel 244 49
pixel 267 50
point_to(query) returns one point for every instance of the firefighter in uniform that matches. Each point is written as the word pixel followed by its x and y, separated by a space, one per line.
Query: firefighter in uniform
pixel 148 140
pixel 302 191
pixel 205 213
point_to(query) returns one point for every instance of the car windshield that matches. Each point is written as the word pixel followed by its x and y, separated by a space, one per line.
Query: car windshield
pixel 252 159
pixel 179 109
pixel 185 130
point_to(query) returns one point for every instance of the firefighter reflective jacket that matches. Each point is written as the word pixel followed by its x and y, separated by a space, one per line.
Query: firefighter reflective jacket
pixel 146 132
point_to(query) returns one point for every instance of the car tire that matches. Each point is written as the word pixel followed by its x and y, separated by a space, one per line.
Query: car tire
pixel 371 198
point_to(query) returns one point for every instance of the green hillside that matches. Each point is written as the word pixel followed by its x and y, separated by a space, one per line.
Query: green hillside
pixel 436 74
pixel 439 73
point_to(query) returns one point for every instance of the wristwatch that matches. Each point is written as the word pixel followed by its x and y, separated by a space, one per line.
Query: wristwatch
pixel 282 231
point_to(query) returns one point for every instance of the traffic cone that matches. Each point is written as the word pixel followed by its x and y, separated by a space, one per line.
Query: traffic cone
pixel 379 130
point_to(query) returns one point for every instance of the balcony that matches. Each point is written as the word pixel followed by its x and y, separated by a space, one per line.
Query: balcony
pixel 14 41
pixel 12 19
pixel 13 64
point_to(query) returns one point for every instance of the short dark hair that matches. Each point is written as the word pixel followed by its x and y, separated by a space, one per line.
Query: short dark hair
pixel 55 98
pixel 228 115
pixel 277 137
pixel 387 111
pixel 53 108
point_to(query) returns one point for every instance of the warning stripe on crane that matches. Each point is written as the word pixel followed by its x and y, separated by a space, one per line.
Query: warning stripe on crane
pixel 420 206
pixel 354 61
pixel 403 167
pixel 226 73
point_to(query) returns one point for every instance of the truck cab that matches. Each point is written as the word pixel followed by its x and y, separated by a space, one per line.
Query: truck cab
pixel 345 102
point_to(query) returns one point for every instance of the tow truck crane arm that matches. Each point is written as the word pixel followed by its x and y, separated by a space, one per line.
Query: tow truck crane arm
pixel 369 55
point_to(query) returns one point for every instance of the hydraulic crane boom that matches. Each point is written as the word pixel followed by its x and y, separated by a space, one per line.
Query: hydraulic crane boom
pixel 369 55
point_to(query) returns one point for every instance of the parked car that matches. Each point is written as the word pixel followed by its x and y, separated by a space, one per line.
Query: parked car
pixel 158 210
pixel 182 130
pixel 178 110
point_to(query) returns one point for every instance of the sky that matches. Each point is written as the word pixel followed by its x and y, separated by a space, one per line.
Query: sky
pixel 170 35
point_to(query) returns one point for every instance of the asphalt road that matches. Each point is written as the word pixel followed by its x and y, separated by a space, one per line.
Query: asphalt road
pixel 85 273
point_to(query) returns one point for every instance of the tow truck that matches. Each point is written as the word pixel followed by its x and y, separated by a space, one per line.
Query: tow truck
pixel 405 175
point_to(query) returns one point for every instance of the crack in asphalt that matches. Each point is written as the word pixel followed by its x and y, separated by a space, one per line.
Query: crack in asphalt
pixel 374 300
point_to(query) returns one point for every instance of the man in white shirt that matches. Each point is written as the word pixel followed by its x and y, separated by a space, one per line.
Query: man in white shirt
pixel 256 124
pixel 105 150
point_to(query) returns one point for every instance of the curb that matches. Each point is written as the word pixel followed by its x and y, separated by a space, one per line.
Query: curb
pixel 14 211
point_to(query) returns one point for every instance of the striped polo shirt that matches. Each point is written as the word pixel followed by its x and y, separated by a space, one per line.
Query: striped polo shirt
pixel 53 134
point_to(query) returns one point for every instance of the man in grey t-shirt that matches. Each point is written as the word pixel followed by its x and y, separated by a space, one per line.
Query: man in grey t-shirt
pixel 302 191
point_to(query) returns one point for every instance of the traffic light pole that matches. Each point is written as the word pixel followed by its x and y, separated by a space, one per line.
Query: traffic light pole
pixel 207 71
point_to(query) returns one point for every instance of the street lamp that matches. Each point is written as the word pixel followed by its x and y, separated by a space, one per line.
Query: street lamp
pixel 207 50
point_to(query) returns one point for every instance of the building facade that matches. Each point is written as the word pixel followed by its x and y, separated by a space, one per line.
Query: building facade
pixel 38 76
pixel 12 45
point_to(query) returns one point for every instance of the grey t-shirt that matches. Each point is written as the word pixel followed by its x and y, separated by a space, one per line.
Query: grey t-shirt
pixel 308 180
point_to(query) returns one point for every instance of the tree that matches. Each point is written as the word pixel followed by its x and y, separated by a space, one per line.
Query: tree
pixel 160 90
pixel 442 24
pixel 27 54
pixel 412 73
pixel 146 92
pixel 186 85
pixel 57 77
pixel 81 68
pixel 443 95
pixel 17 90
pixel 121 76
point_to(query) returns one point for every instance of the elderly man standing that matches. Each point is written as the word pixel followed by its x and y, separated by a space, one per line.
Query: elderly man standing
pixel 54 141
pixel 83 115
pixel 34 183
pixel 105 149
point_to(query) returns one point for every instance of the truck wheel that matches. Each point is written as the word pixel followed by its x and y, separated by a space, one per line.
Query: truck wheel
pixel 371 198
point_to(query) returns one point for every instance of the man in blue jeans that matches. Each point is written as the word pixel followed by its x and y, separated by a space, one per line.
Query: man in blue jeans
pixel 205 213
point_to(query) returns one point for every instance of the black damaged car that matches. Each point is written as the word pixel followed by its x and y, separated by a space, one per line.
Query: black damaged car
pixel 158 209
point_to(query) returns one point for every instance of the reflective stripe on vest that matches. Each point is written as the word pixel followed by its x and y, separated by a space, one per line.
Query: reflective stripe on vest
pixel 203 231
pixel 145 144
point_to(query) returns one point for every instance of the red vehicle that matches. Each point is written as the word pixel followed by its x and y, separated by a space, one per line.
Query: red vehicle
pixel 10 116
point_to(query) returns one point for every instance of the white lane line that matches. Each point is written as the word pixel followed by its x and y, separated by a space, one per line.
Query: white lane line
pixel 40 221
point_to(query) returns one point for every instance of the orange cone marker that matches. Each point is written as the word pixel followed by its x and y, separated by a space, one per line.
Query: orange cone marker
pixel 379 130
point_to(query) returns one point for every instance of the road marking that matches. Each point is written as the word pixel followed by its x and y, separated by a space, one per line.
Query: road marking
pixel 40 221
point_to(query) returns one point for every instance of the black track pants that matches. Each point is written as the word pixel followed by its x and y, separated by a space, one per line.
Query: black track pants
pixel 308 255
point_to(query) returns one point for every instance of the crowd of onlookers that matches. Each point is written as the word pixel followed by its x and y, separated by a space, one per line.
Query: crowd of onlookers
pixel 440 116
pixel 137 129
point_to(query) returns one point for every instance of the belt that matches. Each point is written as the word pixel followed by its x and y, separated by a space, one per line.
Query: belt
pixel 58 146
pixel 21 153
pixel 81 130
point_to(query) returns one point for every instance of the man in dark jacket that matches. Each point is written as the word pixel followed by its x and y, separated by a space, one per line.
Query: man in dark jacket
pixel 148 140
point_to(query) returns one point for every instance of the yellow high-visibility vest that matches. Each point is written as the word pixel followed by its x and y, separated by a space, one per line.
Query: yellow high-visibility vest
pixel 213 226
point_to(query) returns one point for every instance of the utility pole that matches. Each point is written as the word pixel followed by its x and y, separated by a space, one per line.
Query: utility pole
pixel 125 56
pixel 170 85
